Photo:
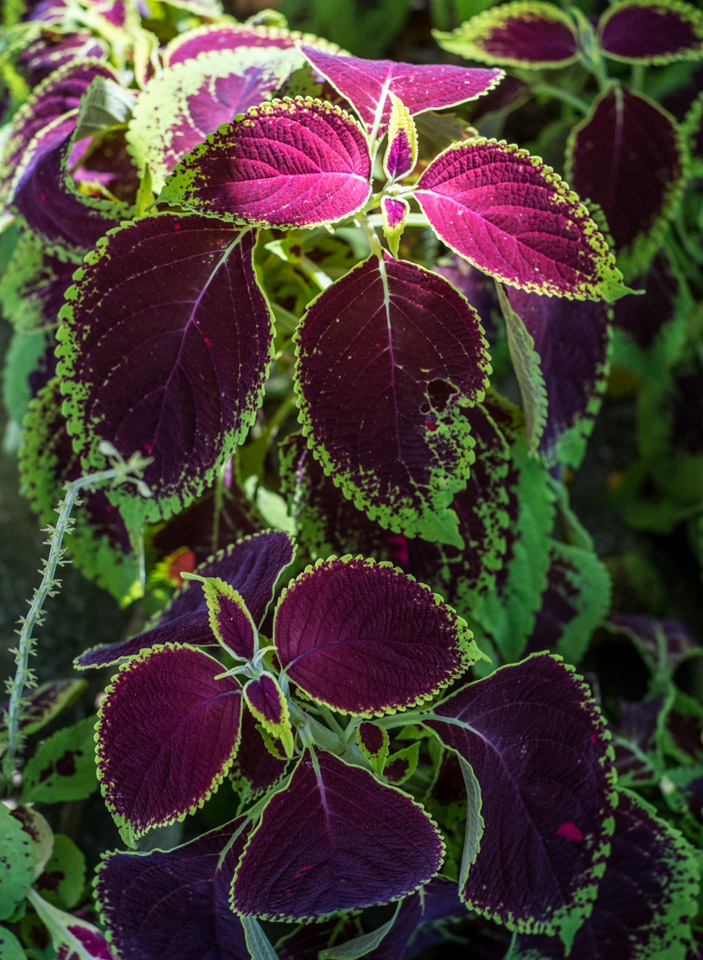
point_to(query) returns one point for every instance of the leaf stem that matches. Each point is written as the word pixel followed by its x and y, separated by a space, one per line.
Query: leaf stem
pixel 557 93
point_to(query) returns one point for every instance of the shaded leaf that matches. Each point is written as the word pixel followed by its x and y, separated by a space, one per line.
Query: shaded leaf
pixel 288 163
pixel 34 284
pixel 649 31
pixel 63 878
pixel 340 618
pixel 16 863
pixel 663 644
pixel 255 769
pixel 350 842
pixel 182 389
pixel 42 704
pixel 389 357
pixel 167 734
pixel 63 767
pixel 539 750
pixel 515 219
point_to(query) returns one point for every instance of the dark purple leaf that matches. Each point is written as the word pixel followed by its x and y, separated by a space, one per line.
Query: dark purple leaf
pixel 646 900
pixel 649 31
pixel 479 290
pixel 515 219
pixel 52 50
pixel 437 901
pixel 229 618
pixel 255 769
pixel 175 904
pixel 185 103
pixel 251 566
pixel 638 179
pixel 390 357
pixel 571 339
pixel 182 389
pixel 349 842
pixel 289 163
pixel 367 83
pixel 539 751
pixel 341 617
pixel 372 740
pixel 167 735
pixel 637 757
pixel 265 700
pixel 663 644
pixel 225 36
pixel 519 34
pixel 308 940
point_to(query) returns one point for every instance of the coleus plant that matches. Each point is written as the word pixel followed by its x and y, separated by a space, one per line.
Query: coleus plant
pixel 237 207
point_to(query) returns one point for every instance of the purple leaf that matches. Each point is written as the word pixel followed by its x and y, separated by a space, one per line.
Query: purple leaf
pixel 52 50
pixel 663 644
pixel 520 34
pixel 350 842
pixel 229 618
pixel 373 741
pixel 644 164
pixel 251 567
pixel 225 36
pixel 646 900
pixel 267 703
pixel 255 769
pixel 167 734
pixel 539 751
pixel 367 83
pixel 572 342
pixel 91 941
pixel 437 901
pixel 649 31
pixel 175 904
pixel 289 163
pixel 389 357
pixel 182 105
pixel 515 219
pixel 341 616
pixel 182 389
pixel 34 284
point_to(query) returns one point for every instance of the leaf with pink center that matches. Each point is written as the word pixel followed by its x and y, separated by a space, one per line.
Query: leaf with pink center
pixel 389 358
pixel 50 51
pixel 401 152
pixel 251 567
pixel 515 219
pixel 539 751
pixel 183 388
pixel 228 36
pixel 350 842
pixel 646 900
pixel 367 84
pixel 638 180
pixel 364 638
pixel 650 31
pixel 288 163
pixel 182 105
pixel 526 33
pixel 167 734
pixel 175 903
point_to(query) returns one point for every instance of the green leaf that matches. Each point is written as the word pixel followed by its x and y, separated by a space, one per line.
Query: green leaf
pixel 16 863
pixel 37 828
pixel 365 29
pixel 258 943
pixel 363 945
pixel 63 879
pixel 104 106
pixel 63 768
pixel 474 821
pixel 10 947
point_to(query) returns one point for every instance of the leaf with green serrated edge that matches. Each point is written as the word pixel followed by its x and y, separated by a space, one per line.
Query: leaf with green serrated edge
pixel 42 704
pixel 229 618
pixel 651 31
pixel 33 286
pixel 389 357
pixel 98 541
pixel 167 735
pixel 527 33
pixel 63 878
pixel 183 388
pixel 401 152
pixel 575 602
pixel 269 706
pixel 63 767
pixel 402 764
pixel 229 36
pixel 16 863
pixel 190 100
pixel 394 212
pixel 373 742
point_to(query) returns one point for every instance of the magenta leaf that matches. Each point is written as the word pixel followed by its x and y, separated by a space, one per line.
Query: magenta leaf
pixel 525 33
pixel 251 567
pixel 539 750
pixel 182 389
pixel 389 357
pixel 646 900
pixel 515 219
pixel 175 904
pixel 349 840
pixel 364 638
pixel 182 105
pixel 225 36
pixel 367 83
pixel 229 618
pixel 288 163
pixel 649 31
pixel 52 50
pixel 639 187
pixel 167 735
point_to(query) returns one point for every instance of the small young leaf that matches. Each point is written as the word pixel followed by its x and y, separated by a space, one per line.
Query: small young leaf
pixel 373 742
pixel 390 356
pixel 646 162
pixel 649 31
pixel 402 764
pixel 368 83
pixel 182 389
pixel 287 163
pixel 63 767
pixel 401 153
pixel 350 842
pixel 175 904
pixel 16 863
pixel 539 750
pixel 340 617
pixel 394 212
pixel 167 735
pixel 229 618
pixel 525 33
pixel 266 701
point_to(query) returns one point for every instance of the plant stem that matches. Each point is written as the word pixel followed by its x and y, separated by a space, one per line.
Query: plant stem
pixel 549 90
